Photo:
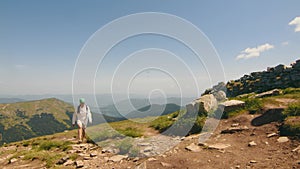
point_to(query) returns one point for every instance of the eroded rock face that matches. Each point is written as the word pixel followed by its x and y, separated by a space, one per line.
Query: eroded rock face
pixel 207 103
pixel 220 96
pixel 204 105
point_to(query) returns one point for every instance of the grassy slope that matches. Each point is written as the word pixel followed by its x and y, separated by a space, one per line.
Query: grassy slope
pixel 47 149
pixel 24 120
pixel 54 106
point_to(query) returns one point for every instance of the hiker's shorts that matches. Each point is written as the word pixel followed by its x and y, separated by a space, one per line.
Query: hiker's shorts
pixel 80 124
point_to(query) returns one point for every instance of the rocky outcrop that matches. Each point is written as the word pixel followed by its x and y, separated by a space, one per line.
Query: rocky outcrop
pixel 273 92
pixel 219 91
pixel 202 106
pixel 279 77
pixel 207 103
pixel 231 105
pixel 228 106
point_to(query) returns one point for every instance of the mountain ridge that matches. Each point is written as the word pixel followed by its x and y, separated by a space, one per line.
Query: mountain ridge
pixel 278 77
pixel 23 120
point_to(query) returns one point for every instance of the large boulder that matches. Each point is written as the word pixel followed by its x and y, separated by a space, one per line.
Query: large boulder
pixel 231 105
pixel 192 108
pixel 220 95
pixel 207 104
pixel 202 106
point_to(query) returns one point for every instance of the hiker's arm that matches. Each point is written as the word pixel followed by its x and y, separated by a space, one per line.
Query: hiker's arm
pixel 90 116
pixel 74 118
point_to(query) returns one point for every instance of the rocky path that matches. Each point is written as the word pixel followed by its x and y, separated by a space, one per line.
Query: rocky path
pixel 234 144
pixel 241 146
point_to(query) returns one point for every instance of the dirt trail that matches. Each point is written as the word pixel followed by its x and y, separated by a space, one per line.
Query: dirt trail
pixel 281 103
pixel 266 152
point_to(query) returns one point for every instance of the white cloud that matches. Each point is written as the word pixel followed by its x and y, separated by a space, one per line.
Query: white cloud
pixel 285 43
pixel 296 21
pixel 20 66
pixel 254 52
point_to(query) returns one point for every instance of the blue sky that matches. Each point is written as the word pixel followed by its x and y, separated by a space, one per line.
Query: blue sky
pixel 40 40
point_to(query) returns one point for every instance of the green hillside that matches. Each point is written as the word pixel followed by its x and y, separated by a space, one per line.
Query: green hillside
pixel 25 120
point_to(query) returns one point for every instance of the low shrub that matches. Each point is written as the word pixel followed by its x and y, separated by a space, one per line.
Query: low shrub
pixel 253 104
pixel 49 158
pixel 134 152
pixel 125 145
pixel 292 110
pixel 104 135
pixel 47 145
pixel 291 126
pixel 178 123
pixel 131 132
pixel 26 143
pixel 291 90
pixel 162 123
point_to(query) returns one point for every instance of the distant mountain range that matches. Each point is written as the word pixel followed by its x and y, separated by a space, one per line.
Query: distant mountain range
pixel 130 106
pixel 153 110
pixel 102 100
pixel 10 100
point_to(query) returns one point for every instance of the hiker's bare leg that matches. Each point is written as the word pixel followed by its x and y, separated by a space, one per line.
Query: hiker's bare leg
pixel 80 133
pixel 83 133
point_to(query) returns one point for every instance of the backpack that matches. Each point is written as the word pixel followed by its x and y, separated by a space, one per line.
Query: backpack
pixel 78 109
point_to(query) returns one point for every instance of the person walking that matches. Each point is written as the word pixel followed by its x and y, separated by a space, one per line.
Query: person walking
pixel 82 116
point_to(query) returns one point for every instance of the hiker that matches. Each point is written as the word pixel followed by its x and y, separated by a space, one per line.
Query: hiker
pixel 82 116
